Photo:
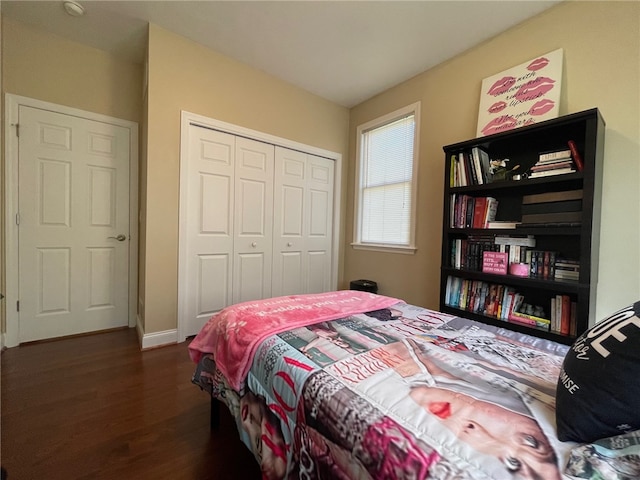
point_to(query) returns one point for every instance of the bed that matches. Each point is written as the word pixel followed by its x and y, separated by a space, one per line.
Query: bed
pixel 350 385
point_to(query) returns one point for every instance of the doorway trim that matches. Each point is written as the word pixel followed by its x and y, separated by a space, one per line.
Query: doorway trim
pixel 187 119
pixel 11 337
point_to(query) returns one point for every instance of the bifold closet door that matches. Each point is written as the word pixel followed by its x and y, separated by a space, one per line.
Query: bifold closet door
pixel 209 225
pixel 303 223
pixel 259 223
pixel 253 220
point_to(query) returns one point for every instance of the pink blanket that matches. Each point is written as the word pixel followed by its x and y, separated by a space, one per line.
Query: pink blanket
pixel 233 334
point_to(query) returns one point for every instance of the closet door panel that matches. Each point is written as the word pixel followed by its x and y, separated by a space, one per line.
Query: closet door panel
pixel 319 264
pixel 249 281
pixel 209 224
pixel 253 220
pixel 319 219
pixel 290 228
pixel 290 281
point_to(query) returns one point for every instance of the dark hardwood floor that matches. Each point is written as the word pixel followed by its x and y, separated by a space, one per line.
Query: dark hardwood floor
pixel 95 407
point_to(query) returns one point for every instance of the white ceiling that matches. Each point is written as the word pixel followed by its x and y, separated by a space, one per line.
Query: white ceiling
pixel 344 51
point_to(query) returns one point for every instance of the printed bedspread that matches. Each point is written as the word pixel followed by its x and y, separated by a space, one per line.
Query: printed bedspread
pixel 401 392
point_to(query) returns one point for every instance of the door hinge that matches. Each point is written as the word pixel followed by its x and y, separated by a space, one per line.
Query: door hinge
pixel 18 306
pixel 17 125
pixel 17 219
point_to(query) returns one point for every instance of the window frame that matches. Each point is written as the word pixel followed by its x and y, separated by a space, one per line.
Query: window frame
pixel 391 117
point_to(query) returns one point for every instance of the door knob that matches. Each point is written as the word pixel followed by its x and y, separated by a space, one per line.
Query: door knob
pixel 289 244
pixel 254 244
pixel 120 238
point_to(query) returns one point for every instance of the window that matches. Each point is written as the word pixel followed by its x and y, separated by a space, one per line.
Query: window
pixel 387 154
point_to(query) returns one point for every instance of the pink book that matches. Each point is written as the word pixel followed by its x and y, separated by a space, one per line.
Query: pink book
pixel 495 262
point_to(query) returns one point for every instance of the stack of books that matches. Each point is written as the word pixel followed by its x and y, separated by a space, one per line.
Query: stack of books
pixel 552 209
pixel 566 269
pixel 558 162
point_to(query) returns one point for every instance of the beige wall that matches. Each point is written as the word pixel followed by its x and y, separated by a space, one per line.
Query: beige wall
pixel 47 67
pixel 601 42
pixel 186 76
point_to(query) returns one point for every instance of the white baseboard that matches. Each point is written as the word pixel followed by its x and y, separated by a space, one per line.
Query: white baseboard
pixel 155 339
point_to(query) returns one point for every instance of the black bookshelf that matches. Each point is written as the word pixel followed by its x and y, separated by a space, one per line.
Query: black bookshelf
pixel 578 241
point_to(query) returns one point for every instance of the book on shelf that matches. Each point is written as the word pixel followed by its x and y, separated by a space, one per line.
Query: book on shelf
pixel 507 224
pixel 553 217
pixel 484 163
pixel 530 321
pixel 566 264
pixel 549 225
pixel 477 167
pixel 453 182
pixel 548 197
pixel 527 241
pixel 573 319
pixel 479 212
pixel 554 165
pixel 575 154
pixel 554 155
pixel 495 262
pixel 462 174
pixel 550 173
pixel 552 207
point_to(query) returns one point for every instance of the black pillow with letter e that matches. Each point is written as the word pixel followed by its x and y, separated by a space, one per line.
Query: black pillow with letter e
pixel 598 392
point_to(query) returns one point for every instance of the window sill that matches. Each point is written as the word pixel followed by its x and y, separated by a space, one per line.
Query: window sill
pixel 404 249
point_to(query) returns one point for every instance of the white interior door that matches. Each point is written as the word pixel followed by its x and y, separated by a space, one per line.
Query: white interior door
pixel 73 224
pixel 209 225
pixel 253 220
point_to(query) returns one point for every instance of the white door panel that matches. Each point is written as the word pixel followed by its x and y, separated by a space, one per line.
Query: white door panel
pixel 209 248
pixel 253 220
pixel 303 219
pixel 289 245
pixel 73 200
pixel 320 223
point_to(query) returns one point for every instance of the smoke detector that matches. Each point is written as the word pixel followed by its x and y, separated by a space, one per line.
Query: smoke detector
pixel 73 8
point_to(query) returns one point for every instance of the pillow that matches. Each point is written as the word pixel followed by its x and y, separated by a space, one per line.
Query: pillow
pixel 598 393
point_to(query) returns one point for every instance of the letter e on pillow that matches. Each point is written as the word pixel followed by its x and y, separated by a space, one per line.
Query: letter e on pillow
pixel 598 392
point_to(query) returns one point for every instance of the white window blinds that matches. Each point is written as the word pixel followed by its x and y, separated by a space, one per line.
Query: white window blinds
pixel 386 181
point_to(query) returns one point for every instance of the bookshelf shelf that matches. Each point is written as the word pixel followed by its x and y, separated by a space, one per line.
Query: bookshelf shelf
pixel 571 181
pixel 517 231
pixel 566 339
pixel 541 204
pixel 568 286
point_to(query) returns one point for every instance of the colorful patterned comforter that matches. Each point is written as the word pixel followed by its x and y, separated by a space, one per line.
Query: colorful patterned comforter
pixel 401 392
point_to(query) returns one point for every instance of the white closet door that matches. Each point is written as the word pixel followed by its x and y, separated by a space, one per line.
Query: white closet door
pixel 319 218
pixel 303 223
pixel 210 195
pixel 290 229
pixel 253 220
